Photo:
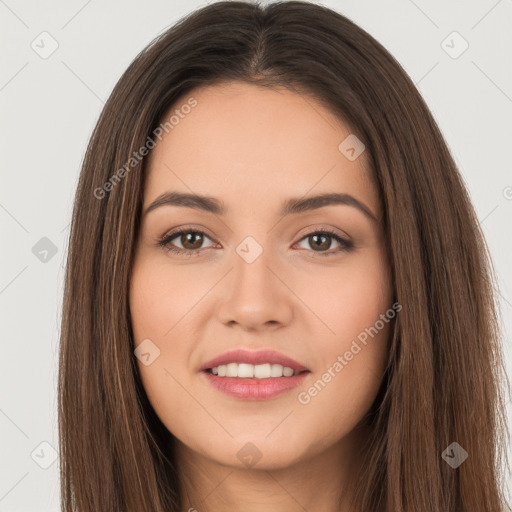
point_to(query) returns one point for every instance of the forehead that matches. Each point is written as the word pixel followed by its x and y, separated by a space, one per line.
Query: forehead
pixel 241 141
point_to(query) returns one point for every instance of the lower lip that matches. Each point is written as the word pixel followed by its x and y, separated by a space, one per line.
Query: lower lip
pixel 255 389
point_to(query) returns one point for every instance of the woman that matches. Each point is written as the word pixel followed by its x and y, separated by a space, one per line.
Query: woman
pixel 278 295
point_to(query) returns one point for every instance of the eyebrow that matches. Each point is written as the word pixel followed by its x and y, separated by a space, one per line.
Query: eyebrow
pixel 290 207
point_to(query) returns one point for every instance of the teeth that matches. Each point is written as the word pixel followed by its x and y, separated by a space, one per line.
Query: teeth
pixel 259 371
pixel 263 371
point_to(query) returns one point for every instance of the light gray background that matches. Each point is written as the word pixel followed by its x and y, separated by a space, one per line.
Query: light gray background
pixel 49 108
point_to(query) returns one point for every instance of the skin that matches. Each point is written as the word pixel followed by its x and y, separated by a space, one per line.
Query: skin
pixel 254 147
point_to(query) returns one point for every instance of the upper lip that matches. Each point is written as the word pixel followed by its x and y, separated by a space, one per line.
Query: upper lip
pixel 253 357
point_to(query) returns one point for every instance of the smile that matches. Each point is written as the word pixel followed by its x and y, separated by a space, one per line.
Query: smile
pixel 254 388
pixel 258 371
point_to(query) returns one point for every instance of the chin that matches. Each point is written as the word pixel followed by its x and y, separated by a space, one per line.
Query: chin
pixel 255 452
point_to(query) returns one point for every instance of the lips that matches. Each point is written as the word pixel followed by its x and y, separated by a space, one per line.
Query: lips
pixel 254 389
pixel 254 358
pixel 263 388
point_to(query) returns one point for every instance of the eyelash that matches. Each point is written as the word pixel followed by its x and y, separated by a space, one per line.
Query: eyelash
pixel 164 242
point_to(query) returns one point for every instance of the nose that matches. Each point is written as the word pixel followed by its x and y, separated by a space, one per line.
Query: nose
pixel 256 295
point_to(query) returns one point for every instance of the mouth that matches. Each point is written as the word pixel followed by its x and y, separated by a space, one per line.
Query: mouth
pixel 253 363
pixel 251 371
pixel 254 388
pixel 249 375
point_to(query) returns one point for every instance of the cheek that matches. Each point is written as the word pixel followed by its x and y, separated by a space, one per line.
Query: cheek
pixel 354 303
pixel 348 298
pixel 165 307
pixel 156 308
pixel 160 297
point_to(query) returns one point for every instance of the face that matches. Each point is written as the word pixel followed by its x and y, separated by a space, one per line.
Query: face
pixel 311 283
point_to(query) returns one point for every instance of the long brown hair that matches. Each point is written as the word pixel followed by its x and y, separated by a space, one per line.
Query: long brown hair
pixel 445 369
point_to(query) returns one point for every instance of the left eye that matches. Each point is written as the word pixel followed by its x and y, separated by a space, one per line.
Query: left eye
pixel 321 239
pixel 192 240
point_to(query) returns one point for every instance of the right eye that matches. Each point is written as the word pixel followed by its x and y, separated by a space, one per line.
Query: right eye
pixel 185 236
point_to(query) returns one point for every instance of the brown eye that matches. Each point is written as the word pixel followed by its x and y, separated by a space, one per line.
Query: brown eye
pixel 321 242
pixel 190 241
